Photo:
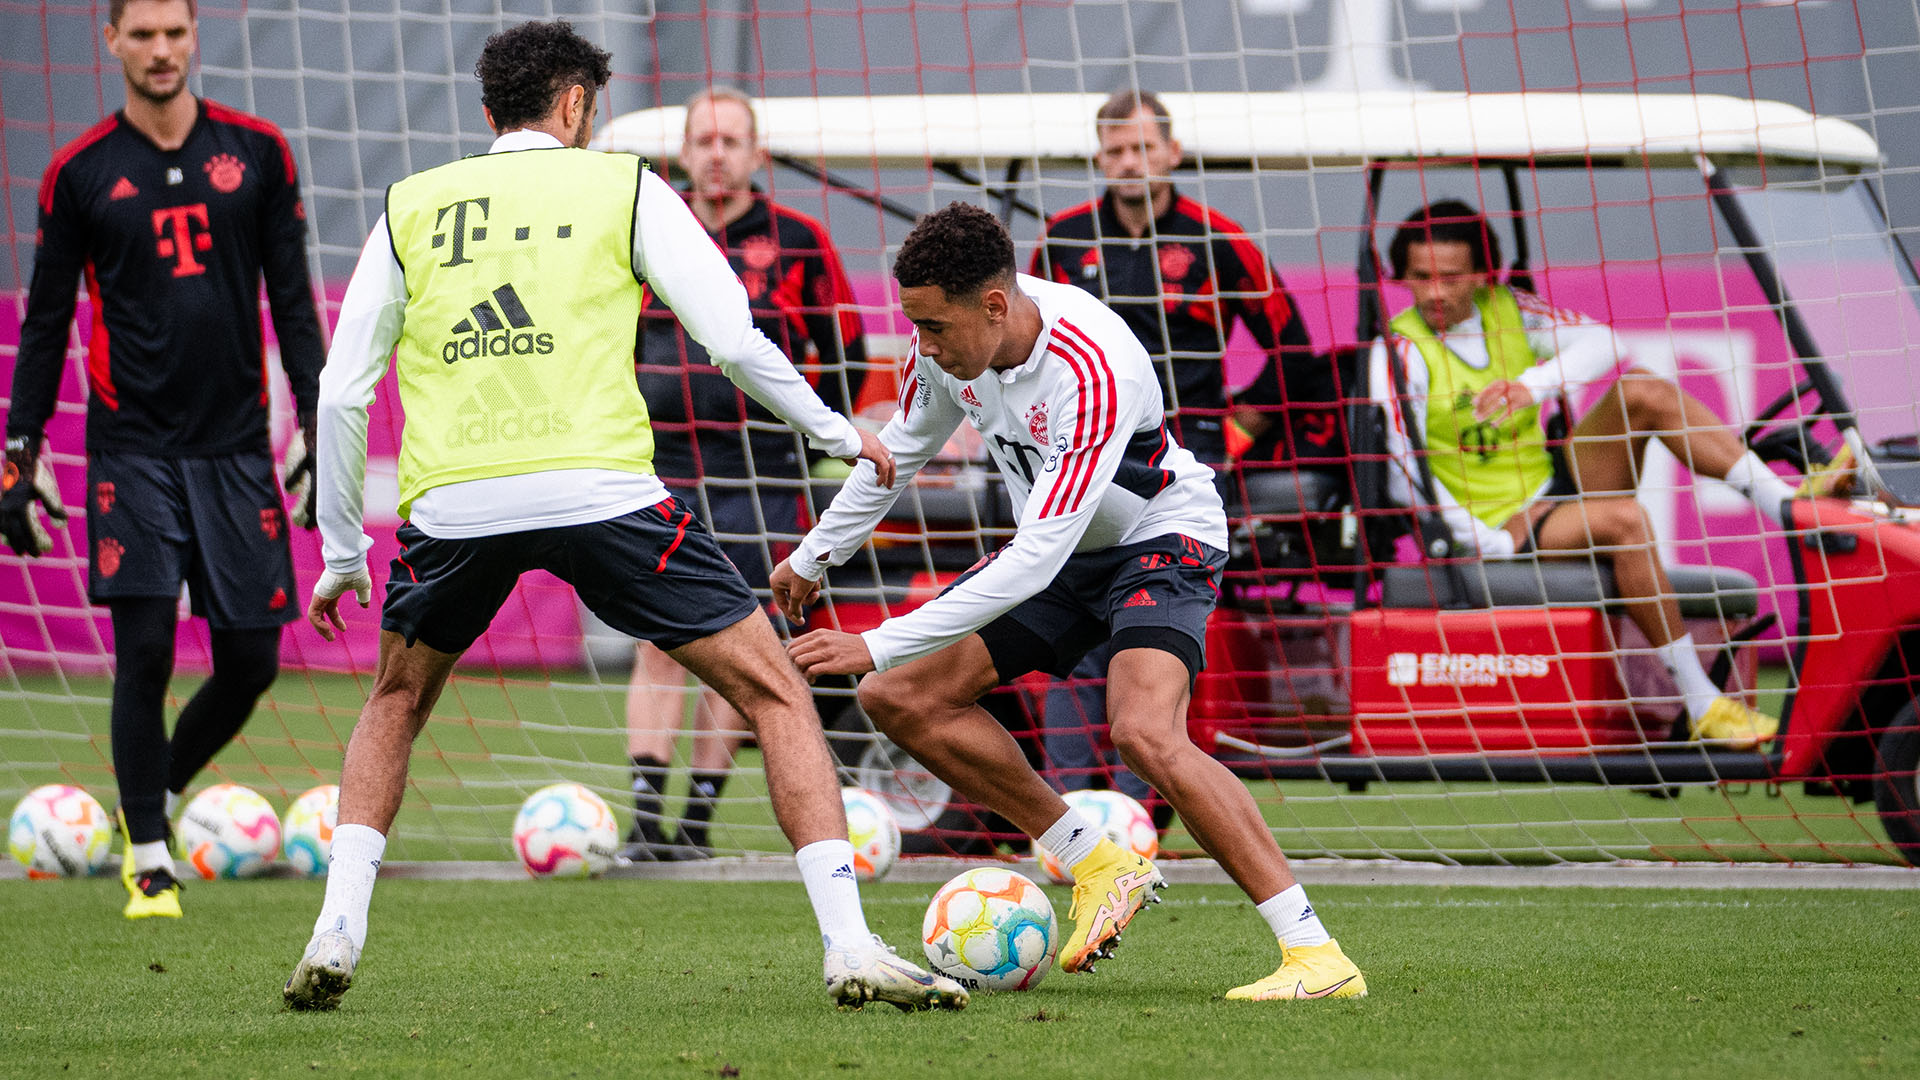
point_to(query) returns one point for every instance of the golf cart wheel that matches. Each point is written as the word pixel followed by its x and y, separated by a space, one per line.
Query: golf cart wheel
pixel 1896 791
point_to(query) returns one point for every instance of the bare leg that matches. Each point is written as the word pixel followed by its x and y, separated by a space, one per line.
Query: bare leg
pixel 406 683
pixel 747 666
pixel 1616 529
pixel 718 731
pixel 657 695
pixel 1147 695
pixel 1608 444
pixel 930 708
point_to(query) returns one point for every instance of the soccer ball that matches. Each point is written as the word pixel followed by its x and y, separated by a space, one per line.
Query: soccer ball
pixel 1124 820
pixel 309 830
pixel 874 831
pixel 229 831
pixel 565 830
pixel 59 831
pixel 991 929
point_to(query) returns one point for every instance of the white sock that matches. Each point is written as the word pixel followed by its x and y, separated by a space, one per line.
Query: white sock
pixel 1683 663
pixel 152 855
pixel 1071 839
pixel 173 804
pixel 1765 490
pixel 826 867
pixel 1291 918
pixel 351 867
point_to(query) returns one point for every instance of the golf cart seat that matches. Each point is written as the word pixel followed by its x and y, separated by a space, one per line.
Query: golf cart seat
pixel 1704 592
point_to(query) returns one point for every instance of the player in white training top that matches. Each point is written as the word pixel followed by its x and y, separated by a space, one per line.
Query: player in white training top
pixel 1120 537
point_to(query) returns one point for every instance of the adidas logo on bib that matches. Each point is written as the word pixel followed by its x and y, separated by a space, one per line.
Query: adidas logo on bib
pixel 498 326
pixel 507 406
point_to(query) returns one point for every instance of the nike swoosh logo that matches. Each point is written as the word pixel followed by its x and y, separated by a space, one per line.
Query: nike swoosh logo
pixel 1301 992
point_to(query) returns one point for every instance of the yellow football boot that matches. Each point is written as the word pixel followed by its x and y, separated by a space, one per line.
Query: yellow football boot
pixel 1110 887
pixel 1732 725
pixel 149 892
pixel 1307 972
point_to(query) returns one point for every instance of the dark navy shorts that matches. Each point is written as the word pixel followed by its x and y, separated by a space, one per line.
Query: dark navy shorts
pixel 756 529
pixel 216 523
pixel 1155 594
pixel 655 574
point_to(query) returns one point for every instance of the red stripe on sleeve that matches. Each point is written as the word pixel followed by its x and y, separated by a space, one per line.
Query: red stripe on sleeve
pixel 99 347
pixel 1099 414
pixel 67 153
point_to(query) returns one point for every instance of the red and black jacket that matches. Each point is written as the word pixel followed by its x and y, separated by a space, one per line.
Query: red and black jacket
pixel 1180 288
pixel 172 246
pixel 704 425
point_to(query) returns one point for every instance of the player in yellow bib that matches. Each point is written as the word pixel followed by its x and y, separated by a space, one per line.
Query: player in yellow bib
pixel 1479 358
pixel 506 288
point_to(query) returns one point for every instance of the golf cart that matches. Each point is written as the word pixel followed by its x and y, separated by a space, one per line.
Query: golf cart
pixel 1353 645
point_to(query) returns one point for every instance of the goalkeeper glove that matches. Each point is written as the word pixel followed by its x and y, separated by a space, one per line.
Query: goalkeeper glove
pixel 25 481
pixel 332 584
pixel 296 474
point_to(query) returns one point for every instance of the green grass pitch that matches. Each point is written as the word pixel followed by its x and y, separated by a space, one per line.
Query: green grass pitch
pixel 680 979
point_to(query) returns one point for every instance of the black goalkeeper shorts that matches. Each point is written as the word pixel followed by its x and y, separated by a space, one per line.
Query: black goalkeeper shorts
pixel 655 574
pixel 216 523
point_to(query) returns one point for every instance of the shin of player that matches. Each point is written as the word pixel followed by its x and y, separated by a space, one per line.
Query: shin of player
pixel 1120 539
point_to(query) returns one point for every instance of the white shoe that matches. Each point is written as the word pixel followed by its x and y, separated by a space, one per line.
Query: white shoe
pixel 872 971
pixel 324 973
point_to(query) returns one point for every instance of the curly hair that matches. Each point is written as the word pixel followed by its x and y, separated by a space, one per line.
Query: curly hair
pixel 960 248
pixel 524 70
pixel 1449 221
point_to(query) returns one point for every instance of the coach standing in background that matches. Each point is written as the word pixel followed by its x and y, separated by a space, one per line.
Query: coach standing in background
pixel 721 451
pixel 1179 273
pixel 173 208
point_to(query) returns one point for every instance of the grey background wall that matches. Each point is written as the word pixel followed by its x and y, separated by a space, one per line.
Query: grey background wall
pixel 368 90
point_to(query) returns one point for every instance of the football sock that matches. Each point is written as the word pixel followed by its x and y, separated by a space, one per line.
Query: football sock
pixel 649 777
pixel 152 855
pixel 703 796
pixel 1765 490
pixel 1071 839
pixel 1291 918
pixel 826 866
pixel 1683 663
pixel 351 867
pixel 143 662
pixel 245 663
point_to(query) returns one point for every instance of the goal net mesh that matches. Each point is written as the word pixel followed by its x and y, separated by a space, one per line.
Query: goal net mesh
pixel 1364 724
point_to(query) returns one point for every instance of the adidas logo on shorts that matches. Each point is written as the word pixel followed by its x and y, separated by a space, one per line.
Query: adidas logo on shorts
pixel 497 326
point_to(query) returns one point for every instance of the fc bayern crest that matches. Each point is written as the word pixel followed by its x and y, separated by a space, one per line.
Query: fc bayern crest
pixel 1037 423
pixel 224 172
pixel 759 252
pixel 1175 261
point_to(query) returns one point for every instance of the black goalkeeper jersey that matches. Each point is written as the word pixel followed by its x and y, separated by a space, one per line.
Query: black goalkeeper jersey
pixel 172 246
pixel 704 425
pixel 1179 289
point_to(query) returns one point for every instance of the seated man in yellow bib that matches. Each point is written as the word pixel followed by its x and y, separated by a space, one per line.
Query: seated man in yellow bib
pixel 1492 353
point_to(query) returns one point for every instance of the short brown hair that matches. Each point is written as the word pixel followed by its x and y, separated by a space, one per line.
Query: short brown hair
pixel 117 8
pixel 725 92
pixel 1120 107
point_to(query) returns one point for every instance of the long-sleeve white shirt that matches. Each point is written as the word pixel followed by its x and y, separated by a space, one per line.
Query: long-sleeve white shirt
pixel 1576 350
pixel 674 256
pixel 1077 430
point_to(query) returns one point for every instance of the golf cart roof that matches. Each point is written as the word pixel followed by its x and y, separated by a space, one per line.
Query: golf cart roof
pixel 1287 130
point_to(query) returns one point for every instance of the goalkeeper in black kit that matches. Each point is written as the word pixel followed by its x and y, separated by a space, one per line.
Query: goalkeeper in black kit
pixel 173 209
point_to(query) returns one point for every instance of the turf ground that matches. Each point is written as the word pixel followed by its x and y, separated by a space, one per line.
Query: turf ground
pixel 494 739
pixel 680 979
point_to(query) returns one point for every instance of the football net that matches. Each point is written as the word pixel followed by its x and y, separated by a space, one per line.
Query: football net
pixel 1366 724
